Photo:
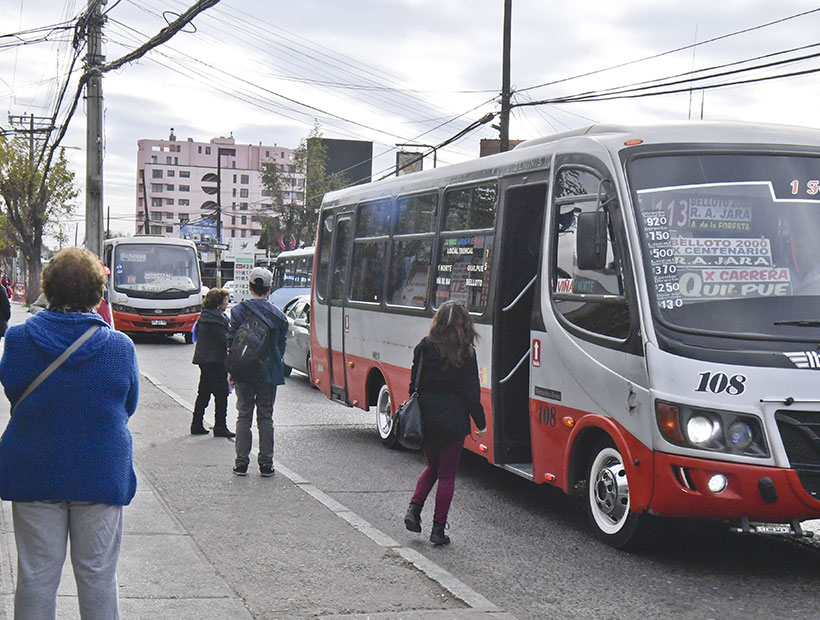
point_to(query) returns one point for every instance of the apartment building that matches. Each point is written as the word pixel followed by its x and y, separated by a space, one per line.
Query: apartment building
pixel 176 179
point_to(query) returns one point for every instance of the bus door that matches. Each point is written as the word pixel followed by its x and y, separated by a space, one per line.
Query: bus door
pixel 520 231
pixel 338 321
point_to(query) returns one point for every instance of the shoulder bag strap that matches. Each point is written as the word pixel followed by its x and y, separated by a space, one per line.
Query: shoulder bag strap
pixel 418 373
pixel 56 364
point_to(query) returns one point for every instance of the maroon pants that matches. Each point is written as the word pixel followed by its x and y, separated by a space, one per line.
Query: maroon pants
pixel 442 464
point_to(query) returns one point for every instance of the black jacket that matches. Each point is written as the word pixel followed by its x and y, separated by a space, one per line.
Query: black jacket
pixel 448 395
pixel 211 337
pixel 5 310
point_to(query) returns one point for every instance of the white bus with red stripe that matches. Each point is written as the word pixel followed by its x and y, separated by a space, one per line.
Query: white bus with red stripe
pixel 154 285
pixel 648 303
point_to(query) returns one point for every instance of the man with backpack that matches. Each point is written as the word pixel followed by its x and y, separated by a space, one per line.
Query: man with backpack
pixel 256 343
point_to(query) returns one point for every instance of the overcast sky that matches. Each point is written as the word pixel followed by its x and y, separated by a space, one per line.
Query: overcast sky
pixel 396 71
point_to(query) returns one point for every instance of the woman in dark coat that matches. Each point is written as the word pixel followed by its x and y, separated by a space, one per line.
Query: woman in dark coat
pixel 449 395
pixel 210 353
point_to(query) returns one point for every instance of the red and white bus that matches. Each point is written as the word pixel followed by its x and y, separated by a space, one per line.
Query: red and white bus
pixel 648 302
pixel 155 284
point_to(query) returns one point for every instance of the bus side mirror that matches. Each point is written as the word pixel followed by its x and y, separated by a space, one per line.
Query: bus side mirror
pixel 591 240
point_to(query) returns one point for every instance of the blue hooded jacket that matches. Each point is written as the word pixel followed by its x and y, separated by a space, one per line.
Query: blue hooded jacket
pixel 276 321
pixel 69 439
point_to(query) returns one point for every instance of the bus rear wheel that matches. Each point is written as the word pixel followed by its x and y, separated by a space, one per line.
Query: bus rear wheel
pixel 385 421
pixel 607 500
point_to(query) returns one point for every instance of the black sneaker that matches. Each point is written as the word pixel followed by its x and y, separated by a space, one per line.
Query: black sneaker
pixel 240 470
pixel 266 471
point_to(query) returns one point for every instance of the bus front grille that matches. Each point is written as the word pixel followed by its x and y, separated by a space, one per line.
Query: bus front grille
pixel 800 432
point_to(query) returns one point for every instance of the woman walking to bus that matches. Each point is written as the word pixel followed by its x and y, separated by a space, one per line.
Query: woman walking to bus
pixel 449 395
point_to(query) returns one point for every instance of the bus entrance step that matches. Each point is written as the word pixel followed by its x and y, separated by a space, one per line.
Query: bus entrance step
pixel 520 469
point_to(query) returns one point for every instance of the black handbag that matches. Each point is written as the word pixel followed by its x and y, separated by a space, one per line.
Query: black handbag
pixel 408 418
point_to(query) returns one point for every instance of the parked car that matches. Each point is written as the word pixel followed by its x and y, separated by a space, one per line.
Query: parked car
pixel 297 350
pixel 228 286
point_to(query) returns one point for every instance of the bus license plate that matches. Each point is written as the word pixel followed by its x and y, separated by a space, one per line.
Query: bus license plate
pixel 159 322
pixel 773 528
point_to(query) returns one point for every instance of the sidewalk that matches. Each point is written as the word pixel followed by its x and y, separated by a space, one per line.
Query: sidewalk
pixel 199 544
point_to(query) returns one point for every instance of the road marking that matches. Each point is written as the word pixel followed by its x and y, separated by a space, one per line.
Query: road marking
pixel 445 579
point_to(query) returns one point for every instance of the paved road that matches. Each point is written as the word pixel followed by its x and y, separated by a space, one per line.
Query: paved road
pixel 525 547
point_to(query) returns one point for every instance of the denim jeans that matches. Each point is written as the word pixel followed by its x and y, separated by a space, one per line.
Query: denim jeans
pixel 41 530
pixel 249 395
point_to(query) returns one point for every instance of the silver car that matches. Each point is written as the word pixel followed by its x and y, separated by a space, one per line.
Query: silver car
pixel 297 350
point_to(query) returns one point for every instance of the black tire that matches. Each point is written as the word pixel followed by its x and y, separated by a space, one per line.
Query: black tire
pixel 286 370
pixel 385 419
pixel 607 500
pixel 189 338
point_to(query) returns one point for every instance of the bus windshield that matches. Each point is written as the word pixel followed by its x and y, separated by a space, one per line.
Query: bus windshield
pixel 731 242
pixel 160 271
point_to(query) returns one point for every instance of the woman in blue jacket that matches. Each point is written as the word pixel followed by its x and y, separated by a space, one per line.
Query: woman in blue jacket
pixel 66 456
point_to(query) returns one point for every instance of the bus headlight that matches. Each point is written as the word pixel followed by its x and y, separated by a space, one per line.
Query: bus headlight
pixel 702 430
pixel 740 435
pixel 710 429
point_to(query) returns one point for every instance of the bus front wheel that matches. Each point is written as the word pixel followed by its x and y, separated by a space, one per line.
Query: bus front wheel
pixel 385 422
pixel 607 500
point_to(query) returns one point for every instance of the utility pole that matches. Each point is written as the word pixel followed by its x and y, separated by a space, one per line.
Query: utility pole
pixel 94 130
pixel 504 121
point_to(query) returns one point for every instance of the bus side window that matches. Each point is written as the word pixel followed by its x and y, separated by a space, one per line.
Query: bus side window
pixel 412 251
pixel 592 299
pixel 370 251
pixel 322 267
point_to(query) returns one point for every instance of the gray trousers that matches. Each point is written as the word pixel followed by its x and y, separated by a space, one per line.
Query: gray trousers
pixel 249 395
pixel 41 530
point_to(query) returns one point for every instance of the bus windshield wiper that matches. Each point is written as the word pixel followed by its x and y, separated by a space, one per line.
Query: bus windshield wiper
pixel 800 322
pixel 171 289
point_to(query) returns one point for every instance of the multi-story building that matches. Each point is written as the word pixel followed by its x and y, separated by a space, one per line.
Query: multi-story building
pixel 176 179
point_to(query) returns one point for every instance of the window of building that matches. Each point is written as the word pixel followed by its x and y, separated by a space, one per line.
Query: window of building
pixel 234 178
pixel 267 192
pixel 156 216
pixel 207 150
pixel 156 230
pixel 156 202
pixel 591 298
pixel 244 179
pixel 170 173
pixel 169 229
pixel 183 218
pixel 291 168
pixel 169 215
pixel 243 193
pixel 168 159
pixel 233 233
pixel 244 220
pixel 233 164
pixel 244 233
pixel 176 161
pixel 465 258
pixel 267 153
pixel 153 159
pixel 185 188
pixel 233 194
pixel 254 218
pixel 156 173
pixel 169 202
pixel 185 174
pixel 199 149
pixel 157 188
pixel 412 250
pixel 169 188
pixel 243 206
pixel 184 202
pixel 233 220
pixel 283 154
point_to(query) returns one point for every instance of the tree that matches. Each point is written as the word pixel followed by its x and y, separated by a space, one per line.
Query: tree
pixel 31 204
pixel 292 218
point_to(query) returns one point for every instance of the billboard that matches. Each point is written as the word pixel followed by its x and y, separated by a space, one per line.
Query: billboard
pixel 203 233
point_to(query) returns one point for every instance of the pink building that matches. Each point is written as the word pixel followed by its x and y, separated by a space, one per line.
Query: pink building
pixel 177 180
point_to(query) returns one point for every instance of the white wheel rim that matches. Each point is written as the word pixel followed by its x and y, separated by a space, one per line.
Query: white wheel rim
pixel 609 491
pixel 384 413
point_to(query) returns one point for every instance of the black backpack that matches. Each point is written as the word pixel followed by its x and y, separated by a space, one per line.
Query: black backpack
pixel 249 348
